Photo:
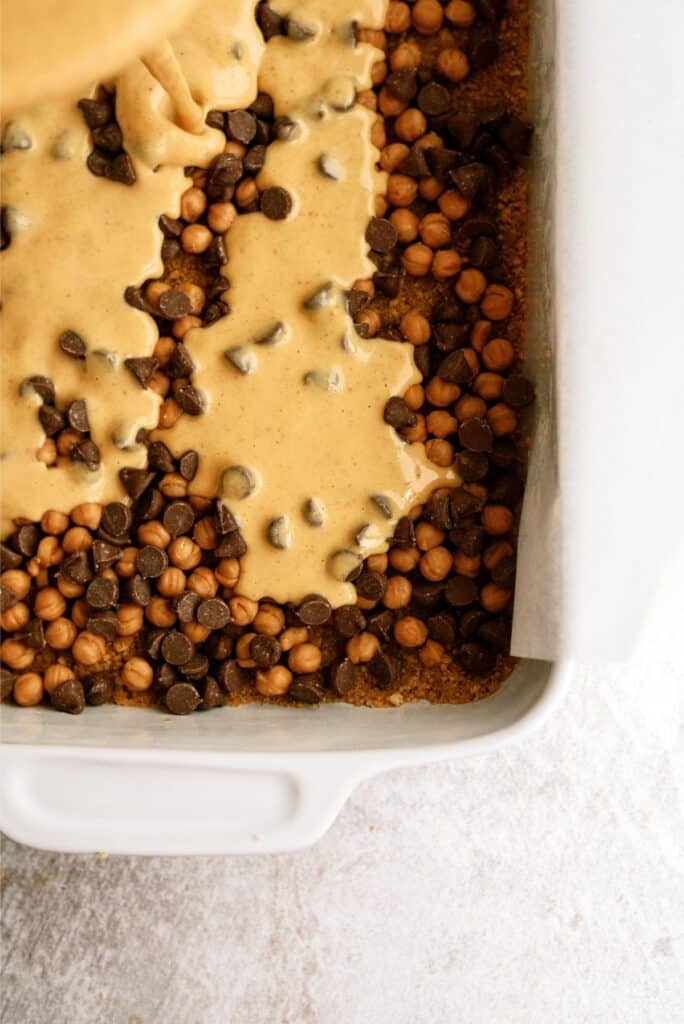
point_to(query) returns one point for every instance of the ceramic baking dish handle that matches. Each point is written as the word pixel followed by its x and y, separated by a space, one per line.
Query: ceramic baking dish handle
pixel 156 802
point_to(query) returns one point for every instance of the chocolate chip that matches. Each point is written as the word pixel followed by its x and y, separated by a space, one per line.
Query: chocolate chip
pixel 381 234
pixel 213 613
pixel 349 620
pixel 404 533
pixel 506 488
pixel 381 624
pixel 153 642
pixel 121 170
pixel 135 481
pixel 469 179
pixel 176 648
pixel 99 164
pixel 483 253
pixel 231 546
pixel 26 540
pixel 76 568
pixel 191 400
pixel 496 633
pixel 117 519
pixel 370 586
pixel 483 47
pixel 211 697
pixel 475 659
pixel 87 452
pixel 456 369
pixel 518 392
pixel 180 364
pixel 443 629
pixel 415 164
pixel 284 129
pixel 471 621
pixel 307 688
pixel 96 113
pixel 188 464
pixel 8 559
pixel 99 689
pixel 179 518
pixel 265 651
pixel 503 572
pixel 389 284
pixel 449 336
pixel 196 668
pixel 32 635
pixel 69 697
pixel 138 590
pixel 51 420
pixel 426 594
pixel 402 84
pixel 224 520
pixel 254 159
pixel 460 591
pixel 77 416
pixel 275 203
pixel 173 304
pixel 232 677
pixel 241 126
pixel 314 610
pixel 133 295
pixel 142 368
pixel 102 593
pixel 469 540
pixel 383 669
pixel 270 23
pixel 475 434
pixel 8 598
pixel 343 677
pixel 104 624
pixel 108 137
pixel 182 699
pixel 159 458
pixel 171 227
pixel 398 414
pixel 434 99
pixel 72 344
pixel 185 605
pixel 462 503
pixel 516 136
pixel 262 106
pixel 165 676
pixel 225 171
pixel 471 466
pixel 151 562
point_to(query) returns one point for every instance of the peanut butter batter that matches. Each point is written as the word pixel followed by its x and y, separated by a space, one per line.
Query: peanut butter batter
pixel 304 428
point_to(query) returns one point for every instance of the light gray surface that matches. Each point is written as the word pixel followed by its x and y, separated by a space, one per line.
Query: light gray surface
pixel 541 884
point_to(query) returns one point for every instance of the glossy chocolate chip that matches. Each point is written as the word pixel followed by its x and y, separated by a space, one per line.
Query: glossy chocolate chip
pixel 102 593
pixel 381 234
pixel 176 648
pixel 460 591
pixel 69 697
pixel 151 562
pixel 275 203
pixel 307 689
pixel 213 613
pixel 179 518
pixel 343 677
pixel 314 610
pixel 182 699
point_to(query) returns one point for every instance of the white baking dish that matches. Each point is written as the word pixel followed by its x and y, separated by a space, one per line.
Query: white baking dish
pixel 260 778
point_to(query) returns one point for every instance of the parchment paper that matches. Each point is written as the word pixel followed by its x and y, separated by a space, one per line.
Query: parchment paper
pixel 601 558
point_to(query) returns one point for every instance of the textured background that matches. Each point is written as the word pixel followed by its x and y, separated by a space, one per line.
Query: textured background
pixel 541 884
